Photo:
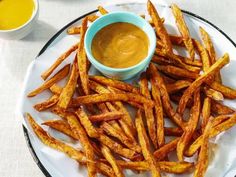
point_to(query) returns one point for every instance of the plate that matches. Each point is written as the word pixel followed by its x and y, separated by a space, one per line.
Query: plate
pixel 53 163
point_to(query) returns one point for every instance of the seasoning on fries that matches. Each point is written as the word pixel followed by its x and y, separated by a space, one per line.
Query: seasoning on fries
pixel 95 110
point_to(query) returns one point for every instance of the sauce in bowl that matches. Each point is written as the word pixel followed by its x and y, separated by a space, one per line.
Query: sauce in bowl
pixel 15 13
pixel 120 45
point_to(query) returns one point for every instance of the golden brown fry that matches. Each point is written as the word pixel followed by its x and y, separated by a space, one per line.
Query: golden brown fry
pixel 177 60
pixel 225 125
pixel 206 112
pixel 47 84
pixel 211 51
pixel 198 82
pixel 175 167
pixel 228 92
pixel 173 131
pixel 87 124
pixel 165 96
pixel 116 147
pixel 69 89
pixel 112 161
pixel 58 61
pixel 178 85
pixel 160 29
pixel 115 133
pixel 213 94
pixel 106 116
pixel 74 30
pixel 61 126
pixel 165 166
pixel 92 18
pixel 115 83
pixel 54 143
pixel 47 104
pixel 219 108
pixel 55 89
pixel 177 72
pixel 183 29
pixel 102 10
pixel 190 127
pixel 145 146
pixel 82 59
pixel 79 131
pixel 106 97
pixel 202 162
pixel 162 152
pixel 151 124
pixel 158 107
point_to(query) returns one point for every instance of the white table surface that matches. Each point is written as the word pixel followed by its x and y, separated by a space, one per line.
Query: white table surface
pixel 15 56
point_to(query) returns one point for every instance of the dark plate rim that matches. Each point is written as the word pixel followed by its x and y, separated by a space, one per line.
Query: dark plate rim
pixel 26 134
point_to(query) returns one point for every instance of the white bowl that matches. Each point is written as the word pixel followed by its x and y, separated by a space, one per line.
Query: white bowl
pixel 25 29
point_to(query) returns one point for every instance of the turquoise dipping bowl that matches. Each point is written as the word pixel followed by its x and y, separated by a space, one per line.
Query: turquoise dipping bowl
pixel 114 17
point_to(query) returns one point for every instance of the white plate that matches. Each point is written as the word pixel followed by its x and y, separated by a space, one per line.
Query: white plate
pixel 54 163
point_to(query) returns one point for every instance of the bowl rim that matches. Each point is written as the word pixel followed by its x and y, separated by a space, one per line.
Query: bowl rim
pixel 151 49
pixel 36 3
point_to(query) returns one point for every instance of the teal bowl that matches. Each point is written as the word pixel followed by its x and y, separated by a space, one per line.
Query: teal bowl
pixel 114 17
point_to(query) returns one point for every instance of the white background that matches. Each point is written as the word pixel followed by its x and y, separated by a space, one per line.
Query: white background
pixel 15 56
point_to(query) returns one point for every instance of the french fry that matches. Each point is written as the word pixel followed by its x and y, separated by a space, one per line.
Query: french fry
pixel 61 126
pixel 132 103
pixel 158 106
pixel 173 131
pixel 191 126
pixel 126 141
pixel 211 51
pixel 218 108
pixel 145 146
pixel 213 94
pixel 115 83
pixel 55 89
pixel 102 10
pixel 47 84
pixel 162 152
pixel 198 82
pixel 178 85
pixel 106 116
pixel 225 125
pixel 47 104
pixel 206 112
pixel 88 148
pixel 116 147
pixel 82 59
pixel 54 143
pixel 69 89
pixel 165 96
pixel 202 162
pixel 92 18
pixel 112 161
pixel 183 29
pixel 151 124
pixel 177 72
pixel 160 29
pixel 74 30
pixel 226 91
pixel 87 124
pixel 165 166
pixel 58 61
pixel 106 97
pixel 177 60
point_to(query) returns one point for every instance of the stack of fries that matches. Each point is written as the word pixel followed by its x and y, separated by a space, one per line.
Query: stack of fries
pixel 93 110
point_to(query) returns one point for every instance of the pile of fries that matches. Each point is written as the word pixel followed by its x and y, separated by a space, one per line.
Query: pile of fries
pixel 93 109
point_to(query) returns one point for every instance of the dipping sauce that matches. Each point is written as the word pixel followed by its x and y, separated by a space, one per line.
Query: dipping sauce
pixel 120 45
pixel 15 13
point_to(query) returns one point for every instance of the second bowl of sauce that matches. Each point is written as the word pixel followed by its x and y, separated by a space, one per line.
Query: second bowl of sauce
pixel 120 44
